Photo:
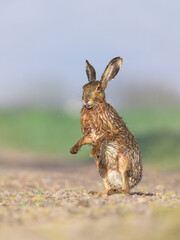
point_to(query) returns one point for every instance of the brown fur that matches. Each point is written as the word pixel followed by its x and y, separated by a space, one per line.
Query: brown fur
pixel 117 156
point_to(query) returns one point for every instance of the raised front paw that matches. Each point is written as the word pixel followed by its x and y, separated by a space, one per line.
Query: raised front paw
pixel 75 149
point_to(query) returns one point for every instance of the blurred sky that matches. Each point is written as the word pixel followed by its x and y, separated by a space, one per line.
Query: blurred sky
pixel 44 45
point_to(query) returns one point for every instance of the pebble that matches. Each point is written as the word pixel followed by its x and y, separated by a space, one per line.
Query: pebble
pixel 18 196
pixel 47 192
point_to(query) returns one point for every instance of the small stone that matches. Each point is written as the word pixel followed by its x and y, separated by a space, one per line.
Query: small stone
pixel 47 192
pixel 18 196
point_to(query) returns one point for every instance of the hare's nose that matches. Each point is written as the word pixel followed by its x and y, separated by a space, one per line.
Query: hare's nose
pixel 86 101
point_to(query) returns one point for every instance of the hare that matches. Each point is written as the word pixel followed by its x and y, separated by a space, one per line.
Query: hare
pixel 117 156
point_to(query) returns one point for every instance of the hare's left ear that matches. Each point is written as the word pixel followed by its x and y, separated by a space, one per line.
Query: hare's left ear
pixel 90 71
pixel 111 70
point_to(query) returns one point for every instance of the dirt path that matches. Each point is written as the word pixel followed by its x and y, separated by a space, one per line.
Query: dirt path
pixel 49 200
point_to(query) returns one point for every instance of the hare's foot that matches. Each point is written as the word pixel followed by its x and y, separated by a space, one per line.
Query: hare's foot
pixel 117 191
pixel 114 191
pixel 127 192
pixel 75 149
pixel 99 193
pixel 95 151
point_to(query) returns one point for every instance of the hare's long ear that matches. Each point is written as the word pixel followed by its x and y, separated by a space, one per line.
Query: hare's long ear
pixel 111 70
pixel 90 71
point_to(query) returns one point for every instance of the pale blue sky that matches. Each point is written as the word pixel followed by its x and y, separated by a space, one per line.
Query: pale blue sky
pixel 45 42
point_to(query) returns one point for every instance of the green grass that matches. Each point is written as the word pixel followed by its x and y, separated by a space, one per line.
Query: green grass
pixel 47 131
pixel 55 132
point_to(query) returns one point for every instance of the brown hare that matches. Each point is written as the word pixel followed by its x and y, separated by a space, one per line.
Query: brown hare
pixel 117 156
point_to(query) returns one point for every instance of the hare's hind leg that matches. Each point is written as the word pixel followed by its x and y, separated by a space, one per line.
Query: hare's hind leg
pixel 124 167
pixel 126 187
pixel 103 174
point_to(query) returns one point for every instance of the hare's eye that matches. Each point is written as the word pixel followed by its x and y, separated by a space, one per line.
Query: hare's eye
pixel 99 88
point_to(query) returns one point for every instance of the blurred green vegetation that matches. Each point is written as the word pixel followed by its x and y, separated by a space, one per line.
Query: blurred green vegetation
pixel 55 132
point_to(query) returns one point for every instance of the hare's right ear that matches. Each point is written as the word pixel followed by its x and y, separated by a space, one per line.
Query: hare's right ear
pixel 90 71
pixel 111 70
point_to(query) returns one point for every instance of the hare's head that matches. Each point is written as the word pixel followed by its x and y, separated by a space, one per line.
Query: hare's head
pixel 94 91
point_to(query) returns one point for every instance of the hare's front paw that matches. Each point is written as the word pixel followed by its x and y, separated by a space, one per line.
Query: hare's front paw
pixel 75 149
pixel 95 151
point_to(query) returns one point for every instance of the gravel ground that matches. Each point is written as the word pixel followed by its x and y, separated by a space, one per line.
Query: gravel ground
pixel 49 200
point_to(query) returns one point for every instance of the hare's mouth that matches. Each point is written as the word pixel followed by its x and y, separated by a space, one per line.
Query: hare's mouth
pixel 88 106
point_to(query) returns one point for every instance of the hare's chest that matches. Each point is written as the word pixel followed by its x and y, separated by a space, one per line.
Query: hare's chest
pixel 89 121
pixel 91 124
